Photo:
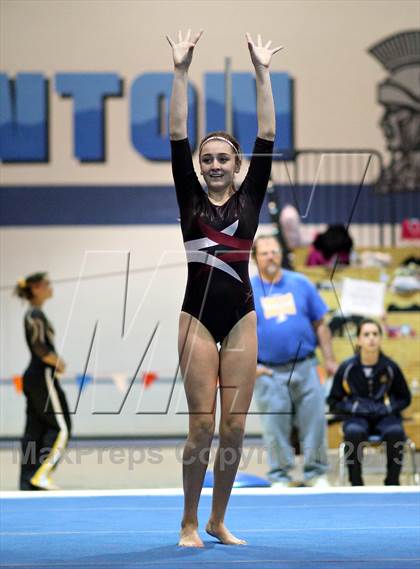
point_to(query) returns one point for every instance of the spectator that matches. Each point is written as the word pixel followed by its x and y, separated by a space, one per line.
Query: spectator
pixel 291 227
pixel 334 243
pixel 288 390
pixel 370 390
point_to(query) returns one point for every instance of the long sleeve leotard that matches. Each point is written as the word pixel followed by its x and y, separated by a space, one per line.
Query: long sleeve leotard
pixel 218 239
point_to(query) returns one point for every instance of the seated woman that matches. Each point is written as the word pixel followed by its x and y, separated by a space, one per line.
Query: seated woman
pixel 334 245
pixel 369 391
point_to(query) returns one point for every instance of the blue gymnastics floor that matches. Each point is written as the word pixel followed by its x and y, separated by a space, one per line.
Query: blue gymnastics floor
pixel 299 529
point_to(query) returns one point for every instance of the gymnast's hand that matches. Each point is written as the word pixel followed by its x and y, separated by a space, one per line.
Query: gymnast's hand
pixel 183 50
pixel 261 55
pixel 60 365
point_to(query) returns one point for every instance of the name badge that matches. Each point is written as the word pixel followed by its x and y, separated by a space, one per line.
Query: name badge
pixel 280 306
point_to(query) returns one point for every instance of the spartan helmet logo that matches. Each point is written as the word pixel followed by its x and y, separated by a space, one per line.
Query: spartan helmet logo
pixel 400 96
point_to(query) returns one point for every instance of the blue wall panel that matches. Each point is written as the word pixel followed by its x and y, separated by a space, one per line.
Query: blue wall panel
pixel 131 205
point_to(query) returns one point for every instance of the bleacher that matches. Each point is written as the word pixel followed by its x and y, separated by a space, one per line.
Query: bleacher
pixel 404 350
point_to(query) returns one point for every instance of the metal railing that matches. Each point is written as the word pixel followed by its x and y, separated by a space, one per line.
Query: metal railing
pixel 340 186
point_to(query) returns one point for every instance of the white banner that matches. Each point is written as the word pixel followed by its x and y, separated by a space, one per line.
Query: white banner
pixel 364 298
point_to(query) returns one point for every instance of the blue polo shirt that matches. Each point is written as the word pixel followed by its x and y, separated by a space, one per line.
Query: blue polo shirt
pixel 285 312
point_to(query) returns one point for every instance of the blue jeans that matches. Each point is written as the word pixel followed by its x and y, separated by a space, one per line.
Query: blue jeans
pixel 293 397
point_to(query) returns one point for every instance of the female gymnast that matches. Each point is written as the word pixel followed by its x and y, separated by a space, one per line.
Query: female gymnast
pixel 218 228
pixel 48 423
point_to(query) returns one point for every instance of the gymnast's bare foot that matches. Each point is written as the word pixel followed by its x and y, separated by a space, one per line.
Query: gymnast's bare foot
pixel 221 532
pixel 189 537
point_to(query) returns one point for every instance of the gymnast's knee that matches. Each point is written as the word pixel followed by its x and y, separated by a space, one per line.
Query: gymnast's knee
pixel 201 430
pixel 232 431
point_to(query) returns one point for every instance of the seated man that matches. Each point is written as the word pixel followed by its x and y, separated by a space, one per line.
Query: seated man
pixel 369 391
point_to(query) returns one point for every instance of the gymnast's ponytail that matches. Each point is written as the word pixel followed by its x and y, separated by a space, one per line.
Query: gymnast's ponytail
pixel 23 287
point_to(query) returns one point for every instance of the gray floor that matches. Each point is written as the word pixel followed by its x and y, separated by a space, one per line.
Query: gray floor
pixel 154 464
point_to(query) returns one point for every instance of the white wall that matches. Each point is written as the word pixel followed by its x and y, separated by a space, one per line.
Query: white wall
pixel 335 106
pixel 325 50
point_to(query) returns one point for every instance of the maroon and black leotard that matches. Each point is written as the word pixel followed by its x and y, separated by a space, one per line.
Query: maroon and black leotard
pixel 218 239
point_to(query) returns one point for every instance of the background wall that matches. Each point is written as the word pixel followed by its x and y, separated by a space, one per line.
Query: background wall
pixel 325 50
pixel 334 105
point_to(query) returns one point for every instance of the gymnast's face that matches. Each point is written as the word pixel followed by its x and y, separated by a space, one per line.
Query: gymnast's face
pixel 369 339
pixel 219 163
pixel 41 291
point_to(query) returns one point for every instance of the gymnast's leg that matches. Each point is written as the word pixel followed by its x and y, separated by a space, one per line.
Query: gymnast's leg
pixel 199 361
pixel 238 361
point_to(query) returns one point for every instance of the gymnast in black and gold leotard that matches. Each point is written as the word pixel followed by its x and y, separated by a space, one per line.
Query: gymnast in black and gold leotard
pixel 218 227
pixel 48 423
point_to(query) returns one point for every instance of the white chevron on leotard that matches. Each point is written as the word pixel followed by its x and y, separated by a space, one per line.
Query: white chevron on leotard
pixel 212 261
pixel 196 255
pixel 231 229
pixel 202 243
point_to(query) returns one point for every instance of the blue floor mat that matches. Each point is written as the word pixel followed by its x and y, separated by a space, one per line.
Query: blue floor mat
pixel 299 531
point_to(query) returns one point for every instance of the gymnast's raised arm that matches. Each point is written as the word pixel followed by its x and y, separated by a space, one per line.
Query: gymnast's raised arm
pixel 182 52
pixel 261 58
